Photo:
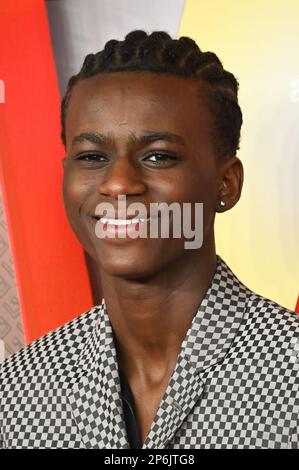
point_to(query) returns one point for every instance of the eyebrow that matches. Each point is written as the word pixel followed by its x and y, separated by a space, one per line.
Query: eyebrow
pixel 145 138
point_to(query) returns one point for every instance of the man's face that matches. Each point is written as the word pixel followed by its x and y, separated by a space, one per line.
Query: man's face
pixel 123 107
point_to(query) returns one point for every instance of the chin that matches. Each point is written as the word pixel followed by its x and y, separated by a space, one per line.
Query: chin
pixel 128 269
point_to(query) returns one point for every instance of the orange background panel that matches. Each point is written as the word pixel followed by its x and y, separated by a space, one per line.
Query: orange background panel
pixel 51 273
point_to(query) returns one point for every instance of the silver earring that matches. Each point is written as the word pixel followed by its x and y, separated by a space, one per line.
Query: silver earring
pixel 222 203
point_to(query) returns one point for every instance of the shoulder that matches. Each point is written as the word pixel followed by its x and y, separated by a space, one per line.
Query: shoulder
pixel 56 351
pixel 266 328
pixel 257 308
pixel 270 330
pixel 265 311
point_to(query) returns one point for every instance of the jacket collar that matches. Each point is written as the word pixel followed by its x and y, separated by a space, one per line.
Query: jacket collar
pixel 96 395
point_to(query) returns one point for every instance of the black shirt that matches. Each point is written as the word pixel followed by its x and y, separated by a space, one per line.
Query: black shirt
pixel 129 413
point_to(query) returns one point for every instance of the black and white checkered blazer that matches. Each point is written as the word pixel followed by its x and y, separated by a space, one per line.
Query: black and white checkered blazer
pixel 235 384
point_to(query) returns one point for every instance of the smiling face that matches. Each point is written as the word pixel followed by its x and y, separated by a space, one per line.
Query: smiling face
pixel 146 136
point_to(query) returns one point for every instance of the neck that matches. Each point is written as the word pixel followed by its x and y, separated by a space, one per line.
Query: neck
pixel 150 320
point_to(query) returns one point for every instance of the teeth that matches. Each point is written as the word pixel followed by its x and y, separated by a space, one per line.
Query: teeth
pixel 105 220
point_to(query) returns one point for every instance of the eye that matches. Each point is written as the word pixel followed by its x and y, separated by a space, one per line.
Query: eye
pixel 160 159
pixel 91 157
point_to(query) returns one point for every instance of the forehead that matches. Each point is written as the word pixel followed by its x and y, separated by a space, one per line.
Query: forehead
pixel 138 101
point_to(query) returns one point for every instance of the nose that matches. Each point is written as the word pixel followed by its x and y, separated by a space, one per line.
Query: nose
pixel 122 177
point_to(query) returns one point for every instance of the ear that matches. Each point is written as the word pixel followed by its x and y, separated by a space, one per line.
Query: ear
pixel 63 162
pixel 230 184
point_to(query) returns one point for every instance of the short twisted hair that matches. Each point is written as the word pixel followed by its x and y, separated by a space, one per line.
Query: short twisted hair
pixel 159 53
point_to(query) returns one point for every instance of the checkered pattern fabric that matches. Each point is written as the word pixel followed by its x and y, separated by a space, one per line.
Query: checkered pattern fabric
pixel 235 384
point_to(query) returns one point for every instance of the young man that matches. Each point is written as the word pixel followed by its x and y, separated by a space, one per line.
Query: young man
pixel 180 354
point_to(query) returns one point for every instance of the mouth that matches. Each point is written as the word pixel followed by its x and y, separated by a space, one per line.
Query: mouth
pixel 121 227
pixel 121 222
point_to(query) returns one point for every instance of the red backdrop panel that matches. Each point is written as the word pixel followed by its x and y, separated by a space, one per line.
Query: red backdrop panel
pixel 51 273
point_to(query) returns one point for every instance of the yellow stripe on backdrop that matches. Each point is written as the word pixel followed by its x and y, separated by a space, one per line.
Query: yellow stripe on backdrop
pixel 258 41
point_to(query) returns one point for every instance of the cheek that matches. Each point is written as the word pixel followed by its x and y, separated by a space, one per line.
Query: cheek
pixel 192 186
pixel 75 194
pixel 199 186
pixel 75 191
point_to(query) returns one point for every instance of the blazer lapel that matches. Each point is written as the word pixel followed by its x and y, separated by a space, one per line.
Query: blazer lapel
pixel 95 397
pixel 183 391
pixel 206 343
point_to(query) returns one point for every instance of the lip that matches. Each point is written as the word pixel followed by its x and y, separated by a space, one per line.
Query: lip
pixel 118 215
pixel 113 231
pixel 99 218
